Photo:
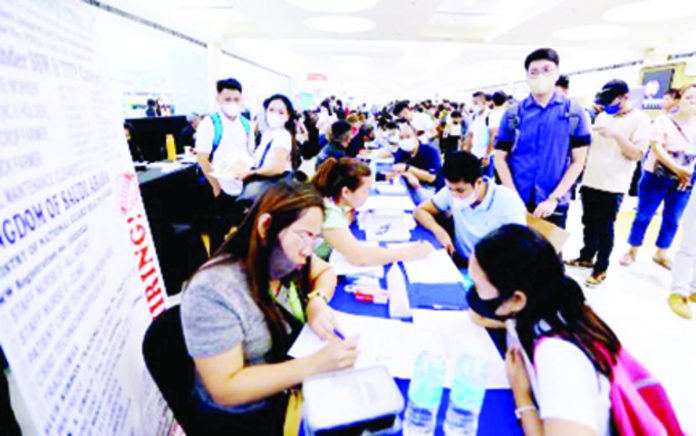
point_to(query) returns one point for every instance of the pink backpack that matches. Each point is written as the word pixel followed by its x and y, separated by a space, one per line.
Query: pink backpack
pixel 639 404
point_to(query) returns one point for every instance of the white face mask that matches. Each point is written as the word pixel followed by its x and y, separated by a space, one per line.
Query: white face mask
pixel 275 120
pixel 459 203
pixel 541 84
pixel 408 144
pixel 423 138
pixel 231 109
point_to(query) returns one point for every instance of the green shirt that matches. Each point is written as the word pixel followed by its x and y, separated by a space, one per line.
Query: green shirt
pixel 334 218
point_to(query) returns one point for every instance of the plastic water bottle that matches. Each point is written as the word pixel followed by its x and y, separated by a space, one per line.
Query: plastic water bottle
pixel 424 395
pixel 466 396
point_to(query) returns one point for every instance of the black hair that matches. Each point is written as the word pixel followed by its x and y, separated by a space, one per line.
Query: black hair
pixel 399 107
pixel 517 258
pixel 290 125
pixel 229 83
pixel 479 94
pixel 541 54
pixel 456 114
pixel 674 93
pixel 462 166
pixel 499 98
pixel 563 81
pixel 128 126
pixel 151 102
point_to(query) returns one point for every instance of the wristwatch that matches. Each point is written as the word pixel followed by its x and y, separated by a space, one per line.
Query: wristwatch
pixel 314 294
pixel 520 410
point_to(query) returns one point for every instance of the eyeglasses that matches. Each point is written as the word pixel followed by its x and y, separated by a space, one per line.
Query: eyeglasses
pixel 306 238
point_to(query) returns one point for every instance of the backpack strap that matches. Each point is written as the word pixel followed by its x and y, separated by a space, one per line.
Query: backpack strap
pixel 217 136
pixel 574 115
pixel 265 153
pixel 245 124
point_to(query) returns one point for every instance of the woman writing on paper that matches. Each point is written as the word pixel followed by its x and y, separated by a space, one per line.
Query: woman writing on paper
pixel 243 309
pixel 518 276
pixel 345 185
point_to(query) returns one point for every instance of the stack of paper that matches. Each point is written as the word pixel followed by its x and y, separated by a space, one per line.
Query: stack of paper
pixel 391 189
pixel 379 202
pixel 343 267
pixel 436 268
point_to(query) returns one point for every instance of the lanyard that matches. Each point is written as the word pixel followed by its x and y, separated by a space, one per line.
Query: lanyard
pixel 293 299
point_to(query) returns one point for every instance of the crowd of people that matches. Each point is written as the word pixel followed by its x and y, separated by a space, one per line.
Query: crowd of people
pixel 478 172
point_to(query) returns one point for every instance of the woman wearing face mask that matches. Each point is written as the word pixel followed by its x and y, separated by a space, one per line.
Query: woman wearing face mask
pixel 518 275
pixel 243 309
pixel 420 164
pixel 276 156
pixel 345 185
pixel 667 177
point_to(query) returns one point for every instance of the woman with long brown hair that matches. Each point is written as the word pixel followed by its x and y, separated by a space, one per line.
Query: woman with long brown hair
pixel 345 185
pixel 242 310
pixel 518 276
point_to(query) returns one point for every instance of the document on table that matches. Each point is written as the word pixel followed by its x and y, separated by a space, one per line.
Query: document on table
pixel 379 202
pixel 457 334
pixel 388 232
pixel 391 189
pixel 381 342
pixel 343 267
pixel 436 268
pixel 377 219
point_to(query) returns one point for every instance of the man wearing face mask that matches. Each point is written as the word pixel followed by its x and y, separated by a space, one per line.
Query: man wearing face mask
pixel 476 204
pixel 419 163
pixel 222 139
pixel 421 122
pixel 478 138
pixel 621 138
pixel 542 142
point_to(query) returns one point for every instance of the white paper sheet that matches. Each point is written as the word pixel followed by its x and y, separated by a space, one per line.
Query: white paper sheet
pixel 397 345
pixel 391 189
pixel 342 266
pixel 379 202
pixel 381 342
pixel 388 232
pixel 436 268
pixel 457 334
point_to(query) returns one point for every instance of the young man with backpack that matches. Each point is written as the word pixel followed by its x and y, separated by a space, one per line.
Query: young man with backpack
pixel 223 137
pixel 542 142
pixel 222 148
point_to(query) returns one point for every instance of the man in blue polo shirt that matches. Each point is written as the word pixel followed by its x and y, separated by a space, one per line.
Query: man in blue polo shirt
pixel 476 204
pixel 418 162
pixel 542 142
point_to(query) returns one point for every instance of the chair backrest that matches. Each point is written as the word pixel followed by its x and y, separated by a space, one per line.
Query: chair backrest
pixel 170 365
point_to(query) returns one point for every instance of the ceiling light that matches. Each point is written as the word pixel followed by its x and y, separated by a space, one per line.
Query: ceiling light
pixel 334 6
pixel 591 33
pixel 651 11
pixel 339 24
pixel 351 59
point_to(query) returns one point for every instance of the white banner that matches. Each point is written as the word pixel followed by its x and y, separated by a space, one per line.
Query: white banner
pixel 79 277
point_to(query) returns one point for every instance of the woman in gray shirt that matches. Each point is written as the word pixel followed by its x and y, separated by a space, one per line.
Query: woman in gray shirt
pixel 242 310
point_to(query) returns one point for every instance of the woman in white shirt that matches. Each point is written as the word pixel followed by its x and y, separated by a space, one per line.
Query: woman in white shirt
pixel 518 276
pixel 276 154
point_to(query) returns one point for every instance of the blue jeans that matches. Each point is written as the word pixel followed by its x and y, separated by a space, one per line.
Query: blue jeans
pixel 652 191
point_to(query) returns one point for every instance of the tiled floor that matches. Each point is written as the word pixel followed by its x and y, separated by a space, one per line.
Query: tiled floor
pixel 633 301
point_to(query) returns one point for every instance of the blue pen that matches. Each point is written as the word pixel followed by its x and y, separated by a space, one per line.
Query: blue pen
pixel 339 334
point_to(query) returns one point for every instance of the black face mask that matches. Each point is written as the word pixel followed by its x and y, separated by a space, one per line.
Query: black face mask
pixel 485 308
